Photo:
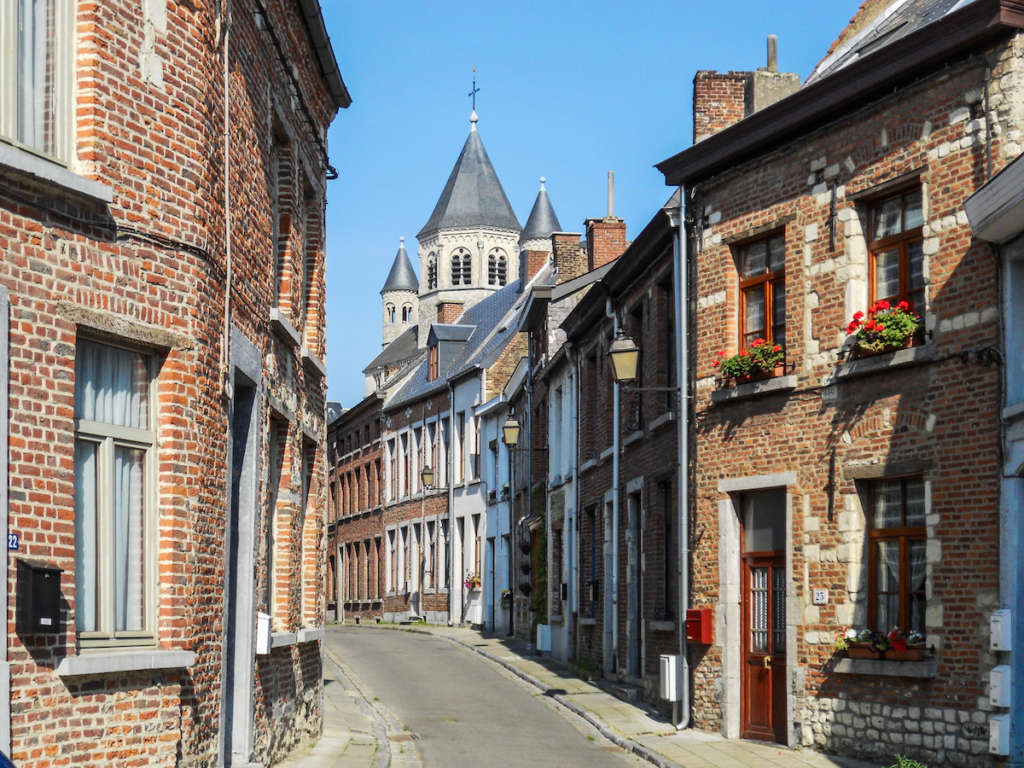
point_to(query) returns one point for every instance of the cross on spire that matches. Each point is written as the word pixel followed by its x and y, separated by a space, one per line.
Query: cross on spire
pixel 472 94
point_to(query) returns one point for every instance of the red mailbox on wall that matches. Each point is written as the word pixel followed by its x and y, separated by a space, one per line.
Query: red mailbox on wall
pixel 698 626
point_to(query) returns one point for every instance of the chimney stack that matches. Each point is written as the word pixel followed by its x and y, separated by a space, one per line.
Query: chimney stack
pixel 611 194
pixel 723 99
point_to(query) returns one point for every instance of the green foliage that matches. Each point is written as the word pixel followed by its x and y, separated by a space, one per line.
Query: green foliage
pixel 906 762
pixel 885 328
pixel 761 357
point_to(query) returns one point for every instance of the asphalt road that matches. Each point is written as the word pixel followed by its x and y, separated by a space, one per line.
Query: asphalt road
pixel 464 710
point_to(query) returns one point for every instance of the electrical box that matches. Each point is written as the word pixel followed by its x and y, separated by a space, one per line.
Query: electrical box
pixel 1000 686
pixel 544 638
pixel 698 626
pixel 999 735
pixel 1001 628
pixel 671 677
pixel 38 597
pixel 262 634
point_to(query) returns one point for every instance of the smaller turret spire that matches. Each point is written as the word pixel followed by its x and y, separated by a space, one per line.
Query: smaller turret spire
pixel 401 277
pixel 542 221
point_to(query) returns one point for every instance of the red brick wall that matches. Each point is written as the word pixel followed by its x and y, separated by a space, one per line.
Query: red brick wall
pixel 718 101
pixel 606 240
pixel 534 261
pixel 448 311
pixel 154 260
pixel 571 258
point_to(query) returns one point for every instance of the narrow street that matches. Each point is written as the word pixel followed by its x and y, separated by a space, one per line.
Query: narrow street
pixel 461 709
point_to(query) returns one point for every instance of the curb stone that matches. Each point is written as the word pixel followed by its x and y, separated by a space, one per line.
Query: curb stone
pixel 382 759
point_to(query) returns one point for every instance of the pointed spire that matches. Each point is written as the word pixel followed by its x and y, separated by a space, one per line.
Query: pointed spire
pixel 402 277
pixel 473 195
pixel 542 221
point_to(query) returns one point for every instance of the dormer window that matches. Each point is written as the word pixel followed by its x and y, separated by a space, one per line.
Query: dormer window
pixel 432 363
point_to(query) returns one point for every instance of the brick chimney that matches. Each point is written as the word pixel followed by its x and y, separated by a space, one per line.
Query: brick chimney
pixel 723 99
pixel 570 255
pixel 448 311
pixel 606 240
pixel 530 263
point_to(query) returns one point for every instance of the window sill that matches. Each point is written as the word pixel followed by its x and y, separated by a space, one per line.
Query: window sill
pixel 109 662
pixel 313 363
pixel 586 622
pixel 661 626
pixel 25 162
pixel 311 635
pixel 633 437
pixel 282 639
pixel 881 668
pixel 606 453
pixel 885 362
pixel 754 389
pixel 280 325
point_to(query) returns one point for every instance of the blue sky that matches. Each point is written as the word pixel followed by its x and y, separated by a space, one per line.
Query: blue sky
pixel 568 90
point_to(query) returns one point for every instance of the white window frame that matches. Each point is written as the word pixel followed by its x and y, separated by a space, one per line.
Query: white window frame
pixel 108 437
pixel 64 52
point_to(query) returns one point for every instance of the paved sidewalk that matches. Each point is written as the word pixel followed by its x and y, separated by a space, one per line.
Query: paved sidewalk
pixel 352 734
pixel 631 726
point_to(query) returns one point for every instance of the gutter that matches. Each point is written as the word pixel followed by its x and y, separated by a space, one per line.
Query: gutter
pixel 852 86
pixel 321 42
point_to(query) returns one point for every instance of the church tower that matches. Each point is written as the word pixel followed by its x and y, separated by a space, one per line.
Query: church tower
pixel 469 247
pixel 399 297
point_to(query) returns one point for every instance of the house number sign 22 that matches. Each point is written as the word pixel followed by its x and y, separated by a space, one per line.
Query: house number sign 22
pixel 12 541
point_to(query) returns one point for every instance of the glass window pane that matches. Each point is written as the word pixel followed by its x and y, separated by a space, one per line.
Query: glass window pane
pixel 754 259
pixel 759 609
pixel 86 540
pixel 764 523
pixel 885 219
pixel 887 613
pixel 886 501
pixel 37 75
pixel 111 385
pixel 915 255
pixel 915 501
pixel 779 611
pixel 778 302
pixel 777 254
pixel 129 559
pixel 887 566
pixel 887 273
pixel 753 311
pixel 917 613
pixel 913 216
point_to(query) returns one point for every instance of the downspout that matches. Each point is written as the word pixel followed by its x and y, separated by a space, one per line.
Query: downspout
pixel 680 276
pixel 573 537
pixel 226 338
pixel 5 372
pixel 610 312
pixel 450 544
pixel 511 545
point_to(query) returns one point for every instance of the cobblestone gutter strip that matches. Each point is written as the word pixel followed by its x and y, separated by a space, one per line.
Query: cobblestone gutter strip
pixel 602 727
pixel 382 758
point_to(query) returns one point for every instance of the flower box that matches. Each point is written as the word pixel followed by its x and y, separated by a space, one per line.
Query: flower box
pixel 914 653
pixel 778 370
pixel 761 360
pixel 886 328
pixel 863 652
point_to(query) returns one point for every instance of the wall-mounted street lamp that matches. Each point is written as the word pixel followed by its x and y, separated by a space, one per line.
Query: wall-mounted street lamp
pixel 625 355
pixel 510 432
pixel 427 476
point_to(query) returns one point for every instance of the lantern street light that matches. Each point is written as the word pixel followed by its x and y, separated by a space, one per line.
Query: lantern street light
pixel 427 476
pixel 510 432
pixel 625 355
pixel 427 481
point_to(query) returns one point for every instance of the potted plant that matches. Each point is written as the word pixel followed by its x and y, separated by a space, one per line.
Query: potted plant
pixel 506 597
pixel 905 646
pixel 473 581
pixel 885 329
pixel 760 361
pixel 862 643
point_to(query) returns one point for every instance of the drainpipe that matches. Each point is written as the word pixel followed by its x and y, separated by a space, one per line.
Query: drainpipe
pixel 5 372
pixel 450 544
pixel 679 274
pixel 572 540
pixel 226 339
pixel 610 312
pixel 512 544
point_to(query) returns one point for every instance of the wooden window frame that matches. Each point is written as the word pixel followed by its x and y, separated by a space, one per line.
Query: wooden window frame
pixel 899 241
pixel 768 279
pixel 903 535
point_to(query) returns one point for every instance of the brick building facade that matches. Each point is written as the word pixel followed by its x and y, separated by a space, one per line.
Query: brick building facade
pixel 851 490
pixel 165 419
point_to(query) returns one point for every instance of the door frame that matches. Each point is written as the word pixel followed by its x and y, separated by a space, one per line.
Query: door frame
pixel 730 597
pixel 771 560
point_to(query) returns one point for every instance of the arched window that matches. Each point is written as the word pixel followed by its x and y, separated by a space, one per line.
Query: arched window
pixel 431 271
pixel 462 267
pixel 389 312
pixel 407 313
pixel 497 267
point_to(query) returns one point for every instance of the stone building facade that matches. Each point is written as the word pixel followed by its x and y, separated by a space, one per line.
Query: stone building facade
pixel 165 408
pixel 852 490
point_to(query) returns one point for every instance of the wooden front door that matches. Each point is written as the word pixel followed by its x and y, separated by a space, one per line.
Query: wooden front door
pixel 764 646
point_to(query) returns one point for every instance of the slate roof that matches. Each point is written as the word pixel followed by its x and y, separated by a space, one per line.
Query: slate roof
pixel 895 21
pixel 542 221
pixel 495 322
pixel 402 348
pixel 402 277
pixel 473 195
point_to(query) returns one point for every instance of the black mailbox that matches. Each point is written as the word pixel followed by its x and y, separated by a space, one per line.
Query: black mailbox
pixel 38 597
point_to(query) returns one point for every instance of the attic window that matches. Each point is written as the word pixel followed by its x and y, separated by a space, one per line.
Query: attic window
pixel 432 363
